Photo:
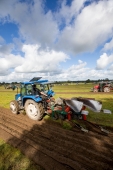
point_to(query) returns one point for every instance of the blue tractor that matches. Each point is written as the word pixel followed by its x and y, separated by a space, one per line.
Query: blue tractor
pixel 33 103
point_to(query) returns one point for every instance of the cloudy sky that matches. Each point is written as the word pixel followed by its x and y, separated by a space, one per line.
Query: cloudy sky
pixel 56 39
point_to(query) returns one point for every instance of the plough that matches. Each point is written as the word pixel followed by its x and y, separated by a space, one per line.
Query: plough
pixel 74 108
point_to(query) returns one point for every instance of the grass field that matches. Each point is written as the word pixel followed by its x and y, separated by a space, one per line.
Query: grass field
pixel 12 159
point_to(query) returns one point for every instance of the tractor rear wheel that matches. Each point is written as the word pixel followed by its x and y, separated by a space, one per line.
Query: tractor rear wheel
pixel 107 89
pixel 34 110
pixel 14 106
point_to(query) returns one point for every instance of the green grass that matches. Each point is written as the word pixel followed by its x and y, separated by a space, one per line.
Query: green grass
pixel 73 88
pixel 5 98
pixel 101 118
pixel 13 159
pixel 6 95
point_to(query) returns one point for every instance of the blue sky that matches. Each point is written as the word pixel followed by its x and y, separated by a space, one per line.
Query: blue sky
pixel 56 39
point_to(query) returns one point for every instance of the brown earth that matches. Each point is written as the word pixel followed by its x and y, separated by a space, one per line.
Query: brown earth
pixel 55 148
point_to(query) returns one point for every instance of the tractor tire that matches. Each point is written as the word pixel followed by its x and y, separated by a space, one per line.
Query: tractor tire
pixel 14 106
pixel 95 90
pixel 106 89
pixel 34 110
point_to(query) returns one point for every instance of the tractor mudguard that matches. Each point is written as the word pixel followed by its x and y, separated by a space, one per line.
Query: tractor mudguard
pixel 17 97
pixel 50 93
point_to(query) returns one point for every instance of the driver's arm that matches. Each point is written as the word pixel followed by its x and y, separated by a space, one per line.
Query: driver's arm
pixel 43 93
pixel 40 92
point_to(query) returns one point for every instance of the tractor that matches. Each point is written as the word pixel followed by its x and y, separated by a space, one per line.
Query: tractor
pixel 103 87
pixel 33 104
pixel 10 86
pixel 37 105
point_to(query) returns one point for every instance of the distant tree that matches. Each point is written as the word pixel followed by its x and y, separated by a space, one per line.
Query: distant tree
pixel 88 81
pixel 106 79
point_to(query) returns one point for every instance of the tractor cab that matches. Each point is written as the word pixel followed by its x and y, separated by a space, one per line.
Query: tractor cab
pixel 27 90
pixel 47 88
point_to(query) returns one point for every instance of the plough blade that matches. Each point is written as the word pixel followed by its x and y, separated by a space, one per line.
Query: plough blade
pixel 106 111
pixel 81 127
pixel 84 130
pixel 92 104
pixel 104 130
pixel 74 104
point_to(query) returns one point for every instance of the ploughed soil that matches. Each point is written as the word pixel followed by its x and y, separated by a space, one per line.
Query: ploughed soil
pixel 54 148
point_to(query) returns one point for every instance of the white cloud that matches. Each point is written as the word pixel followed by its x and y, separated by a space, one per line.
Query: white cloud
pixel 111 68
pixel 76 72
pixel 68 13
pixel 6 49
pixel 84 28
pixel 1 40
pixel 104 61
pixel 78 67
pixel 35 26
pixel 92 27
pixel 108 46
pixel 9 62
pixel 36 60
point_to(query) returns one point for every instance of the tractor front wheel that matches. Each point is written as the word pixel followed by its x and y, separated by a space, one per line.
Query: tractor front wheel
pixel 14 106
pixel 34 110
pixel 107 89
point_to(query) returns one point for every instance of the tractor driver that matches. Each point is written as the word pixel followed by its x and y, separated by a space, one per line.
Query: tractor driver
pixel 37 91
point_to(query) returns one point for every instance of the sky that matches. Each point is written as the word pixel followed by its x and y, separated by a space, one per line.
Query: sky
pixel 58 40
